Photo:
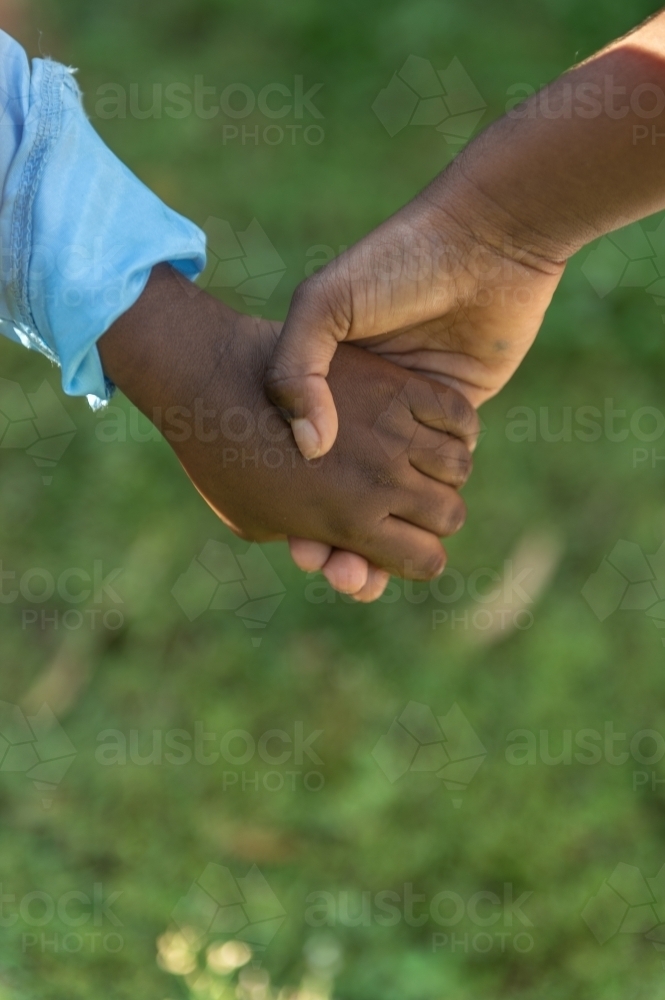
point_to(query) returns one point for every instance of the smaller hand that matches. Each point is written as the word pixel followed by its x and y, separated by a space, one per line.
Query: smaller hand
pixel 388 489
pixel 346 571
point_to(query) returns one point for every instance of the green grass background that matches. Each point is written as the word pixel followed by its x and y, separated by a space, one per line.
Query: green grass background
pixel 148 831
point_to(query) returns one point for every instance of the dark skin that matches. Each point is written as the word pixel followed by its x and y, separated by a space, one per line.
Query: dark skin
pixel 456 284
pixel 387 489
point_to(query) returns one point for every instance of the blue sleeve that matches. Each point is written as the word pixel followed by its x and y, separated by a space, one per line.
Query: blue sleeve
pixel 79 233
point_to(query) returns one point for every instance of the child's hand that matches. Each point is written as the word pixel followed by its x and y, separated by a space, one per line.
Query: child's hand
pixel 387 489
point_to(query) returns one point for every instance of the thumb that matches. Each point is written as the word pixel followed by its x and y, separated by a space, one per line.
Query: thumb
pixel 295 378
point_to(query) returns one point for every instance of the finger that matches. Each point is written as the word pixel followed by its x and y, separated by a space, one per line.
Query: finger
pixel 377 581
pixel 309 556
pixel 343 574
pixel 440 456
pixel 346 571
pixel 402 549
pixel 295 379
pixel 432 506
pixel 443 408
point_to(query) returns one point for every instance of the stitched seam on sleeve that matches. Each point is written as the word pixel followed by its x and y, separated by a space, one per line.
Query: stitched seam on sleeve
pixel 48 130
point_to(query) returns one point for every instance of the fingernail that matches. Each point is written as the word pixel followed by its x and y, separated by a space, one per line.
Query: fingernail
pixel 307 437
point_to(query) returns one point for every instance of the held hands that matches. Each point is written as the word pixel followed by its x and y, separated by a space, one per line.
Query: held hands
pixel 437 290
pixel 445 307
pixel 386 491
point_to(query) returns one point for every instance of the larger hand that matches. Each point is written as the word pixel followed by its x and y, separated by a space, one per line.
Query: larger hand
pixel 456 283
pixel 429 290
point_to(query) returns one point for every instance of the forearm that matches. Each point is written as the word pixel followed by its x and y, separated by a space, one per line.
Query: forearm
pixel 156 350
pixel 79 232
pixel 140 351
pixel 584 156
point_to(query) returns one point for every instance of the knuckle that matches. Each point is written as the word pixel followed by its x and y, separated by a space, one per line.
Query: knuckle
pixel 446 459
pixel 304 293
pixel 432 563
pixel 321 300
pixel 281 388
pixel 458 461
pixel 275 374
pixel 345 529
pixel 455 516
pixel 450 462
pixel 379 474
pixel 463 414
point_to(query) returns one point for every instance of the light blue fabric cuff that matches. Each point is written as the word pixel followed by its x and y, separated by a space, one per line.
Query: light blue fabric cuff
pixel 79 233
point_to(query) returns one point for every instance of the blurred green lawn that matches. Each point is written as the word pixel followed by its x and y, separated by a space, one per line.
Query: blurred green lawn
pixel 148 831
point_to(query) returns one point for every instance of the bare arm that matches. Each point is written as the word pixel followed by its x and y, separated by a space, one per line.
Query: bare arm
pixel 457 282
pixel 582 157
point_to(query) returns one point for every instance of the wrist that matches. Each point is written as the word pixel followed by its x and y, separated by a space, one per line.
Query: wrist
pixel 478 219
pixel 568 165
pixel 154 351
pixel 56 175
